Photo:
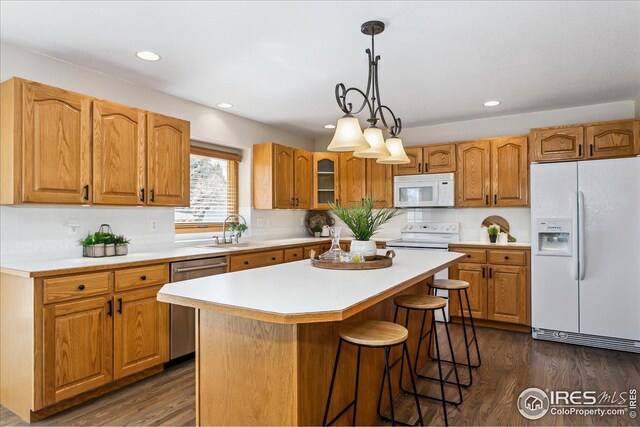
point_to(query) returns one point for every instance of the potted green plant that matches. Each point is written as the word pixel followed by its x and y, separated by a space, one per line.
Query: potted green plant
pixel 317 230
pixel 363 222
pixel 238 228
pixel 90 248
pixel 122 244
pixel 493 232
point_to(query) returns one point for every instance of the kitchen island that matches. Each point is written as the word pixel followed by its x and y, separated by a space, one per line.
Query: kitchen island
pixel 266 338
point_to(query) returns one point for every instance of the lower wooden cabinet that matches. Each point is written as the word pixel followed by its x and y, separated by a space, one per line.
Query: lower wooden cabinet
pixel 140 332
pixel 77 347
pixel 499 285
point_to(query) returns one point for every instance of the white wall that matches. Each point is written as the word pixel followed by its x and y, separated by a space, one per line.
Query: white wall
pixel 207 125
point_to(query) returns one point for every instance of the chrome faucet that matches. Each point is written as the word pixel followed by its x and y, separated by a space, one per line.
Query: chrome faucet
pixel 224 229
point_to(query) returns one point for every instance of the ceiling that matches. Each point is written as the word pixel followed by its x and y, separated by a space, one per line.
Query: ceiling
pixel 278 62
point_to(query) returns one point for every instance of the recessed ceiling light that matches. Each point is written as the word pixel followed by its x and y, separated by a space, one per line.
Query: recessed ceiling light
pixel 491 103
pixel 329 126
pixel 148 55
pixel 225 105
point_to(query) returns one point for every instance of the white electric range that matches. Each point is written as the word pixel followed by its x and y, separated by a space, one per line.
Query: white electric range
pixel 429 236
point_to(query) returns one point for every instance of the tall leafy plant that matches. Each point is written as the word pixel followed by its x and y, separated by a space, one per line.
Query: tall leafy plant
pixel 362 220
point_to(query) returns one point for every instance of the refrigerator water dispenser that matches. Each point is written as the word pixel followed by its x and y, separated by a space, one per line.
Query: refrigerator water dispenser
pixel 554 236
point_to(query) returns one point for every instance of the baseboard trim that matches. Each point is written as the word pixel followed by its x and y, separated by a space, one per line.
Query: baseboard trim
pixel 495 325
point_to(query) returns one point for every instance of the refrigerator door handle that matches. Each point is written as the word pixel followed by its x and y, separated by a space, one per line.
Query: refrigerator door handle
pixel 581 261
pixel 575 272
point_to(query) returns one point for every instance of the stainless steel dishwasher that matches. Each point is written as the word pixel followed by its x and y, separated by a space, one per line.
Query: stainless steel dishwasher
pixel 183 325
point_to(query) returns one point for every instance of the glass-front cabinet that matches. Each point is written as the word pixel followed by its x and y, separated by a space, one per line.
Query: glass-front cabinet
pixel 325 179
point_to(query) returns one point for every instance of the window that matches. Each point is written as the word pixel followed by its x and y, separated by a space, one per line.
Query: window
pixel 214 191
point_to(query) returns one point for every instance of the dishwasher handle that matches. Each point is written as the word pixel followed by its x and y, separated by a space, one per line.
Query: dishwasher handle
pixel 199 267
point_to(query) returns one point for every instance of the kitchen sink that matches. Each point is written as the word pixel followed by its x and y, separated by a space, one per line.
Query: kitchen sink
pixel 230 245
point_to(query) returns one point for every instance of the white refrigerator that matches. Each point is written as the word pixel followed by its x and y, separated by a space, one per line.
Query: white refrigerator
pixel 585 264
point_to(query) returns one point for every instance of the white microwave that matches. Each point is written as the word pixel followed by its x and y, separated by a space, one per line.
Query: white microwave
pixel 424 191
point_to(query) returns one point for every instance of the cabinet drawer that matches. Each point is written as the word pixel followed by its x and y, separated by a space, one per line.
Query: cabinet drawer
pixel 308 249
pixel 142 277
pixel 478 256
pixel 74 287
pixel 507 257
pixel 261 259
pixel 293 254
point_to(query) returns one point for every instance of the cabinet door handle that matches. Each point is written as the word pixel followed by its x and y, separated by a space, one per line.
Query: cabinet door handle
pixel 419 167
pixel 483 273
pixel 591 149
pixel 81 287
pixel 490 272
pixel 506 258
pixel 153 195
pixel 86 192
pixel 426 167
pixel 110 309
pixel 273 258
pixel 120 305
pixel 142 194
pixel 143 277
pixel 580 150
pixel 293 201
pixel 246 263
pixel 495 199
pixel 486 199
pixel 297 202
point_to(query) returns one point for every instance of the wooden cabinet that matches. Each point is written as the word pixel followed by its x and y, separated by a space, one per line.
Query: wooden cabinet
pixel 555 144
pixel 303 179
pixel 46 144
pixel 473 179
pixel 353 179
pixel 326 179
pixel 119 164
pixel 493 172
pixel 414 166
pixel 613 139
pixel 379 184
pixel 437 158
pixel 77 347
pixel 140 332
pixel 499 285
pixel 52 151
pixel 255 260
pixel 168 172
pixel 618 138
pixel 282 177
pixel 506 294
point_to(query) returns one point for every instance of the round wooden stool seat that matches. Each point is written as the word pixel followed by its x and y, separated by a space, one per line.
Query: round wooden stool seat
pixel 449 284
pixel 420 301
pixel 374 333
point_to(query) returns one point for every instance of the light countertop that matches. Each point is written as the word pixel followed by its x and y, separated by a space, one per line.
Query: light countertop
pixel 178 251
pixel 297 292
pixel 499 245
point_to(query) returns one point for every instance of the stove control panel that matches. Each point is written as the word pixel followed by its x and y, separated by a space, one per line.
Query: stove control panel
pixel 431 227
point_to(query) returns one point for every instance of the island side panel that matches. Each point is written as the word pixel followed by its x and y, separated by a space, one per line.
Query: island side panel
pixel 247 371
pixel 317 345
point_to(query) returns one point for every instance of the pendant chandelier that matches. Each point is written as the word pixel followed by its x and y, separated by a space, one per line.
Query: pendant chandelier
pixel 370 143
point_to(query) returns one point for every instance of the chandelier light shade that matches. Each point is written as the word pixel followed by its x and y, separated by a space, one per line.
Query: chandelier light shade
pixel 348 135
pixel 398 155
pixel 376 147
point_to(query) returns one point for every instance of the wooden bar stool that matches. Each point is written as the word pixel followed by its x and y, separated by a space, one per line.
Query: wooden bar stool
pixel 460 286
pixel 373 334
pixel 425 304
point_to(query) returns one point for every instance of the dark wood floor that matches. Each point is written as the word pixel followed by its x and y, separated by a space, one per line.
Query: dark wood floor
pixel 512 362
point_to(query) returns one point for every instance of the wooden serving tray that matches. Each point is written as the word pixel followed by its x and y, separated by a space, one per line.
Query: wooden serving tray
pixel 379 261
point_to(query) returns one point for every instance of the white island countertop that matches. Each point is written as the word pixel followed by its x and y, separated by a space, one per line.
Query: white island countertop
pixel 297 292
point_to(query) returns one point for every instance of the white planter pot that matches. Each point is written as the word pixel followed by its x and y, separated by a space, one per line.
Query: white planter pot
pixel 366 246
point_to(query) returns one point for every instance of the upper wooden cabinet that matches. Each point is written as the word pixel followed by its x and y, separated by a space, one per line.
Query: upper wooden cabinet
pixel 168 171
pixel 118 154
pixel 473 178
pixel 493 173
pixel 52 151
pixel 440 158
pixel 282 177
pixel 586 141
pixel 380 184
pixel 326 179
pixel 353 179
pixel 414 166
pixel 46 144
